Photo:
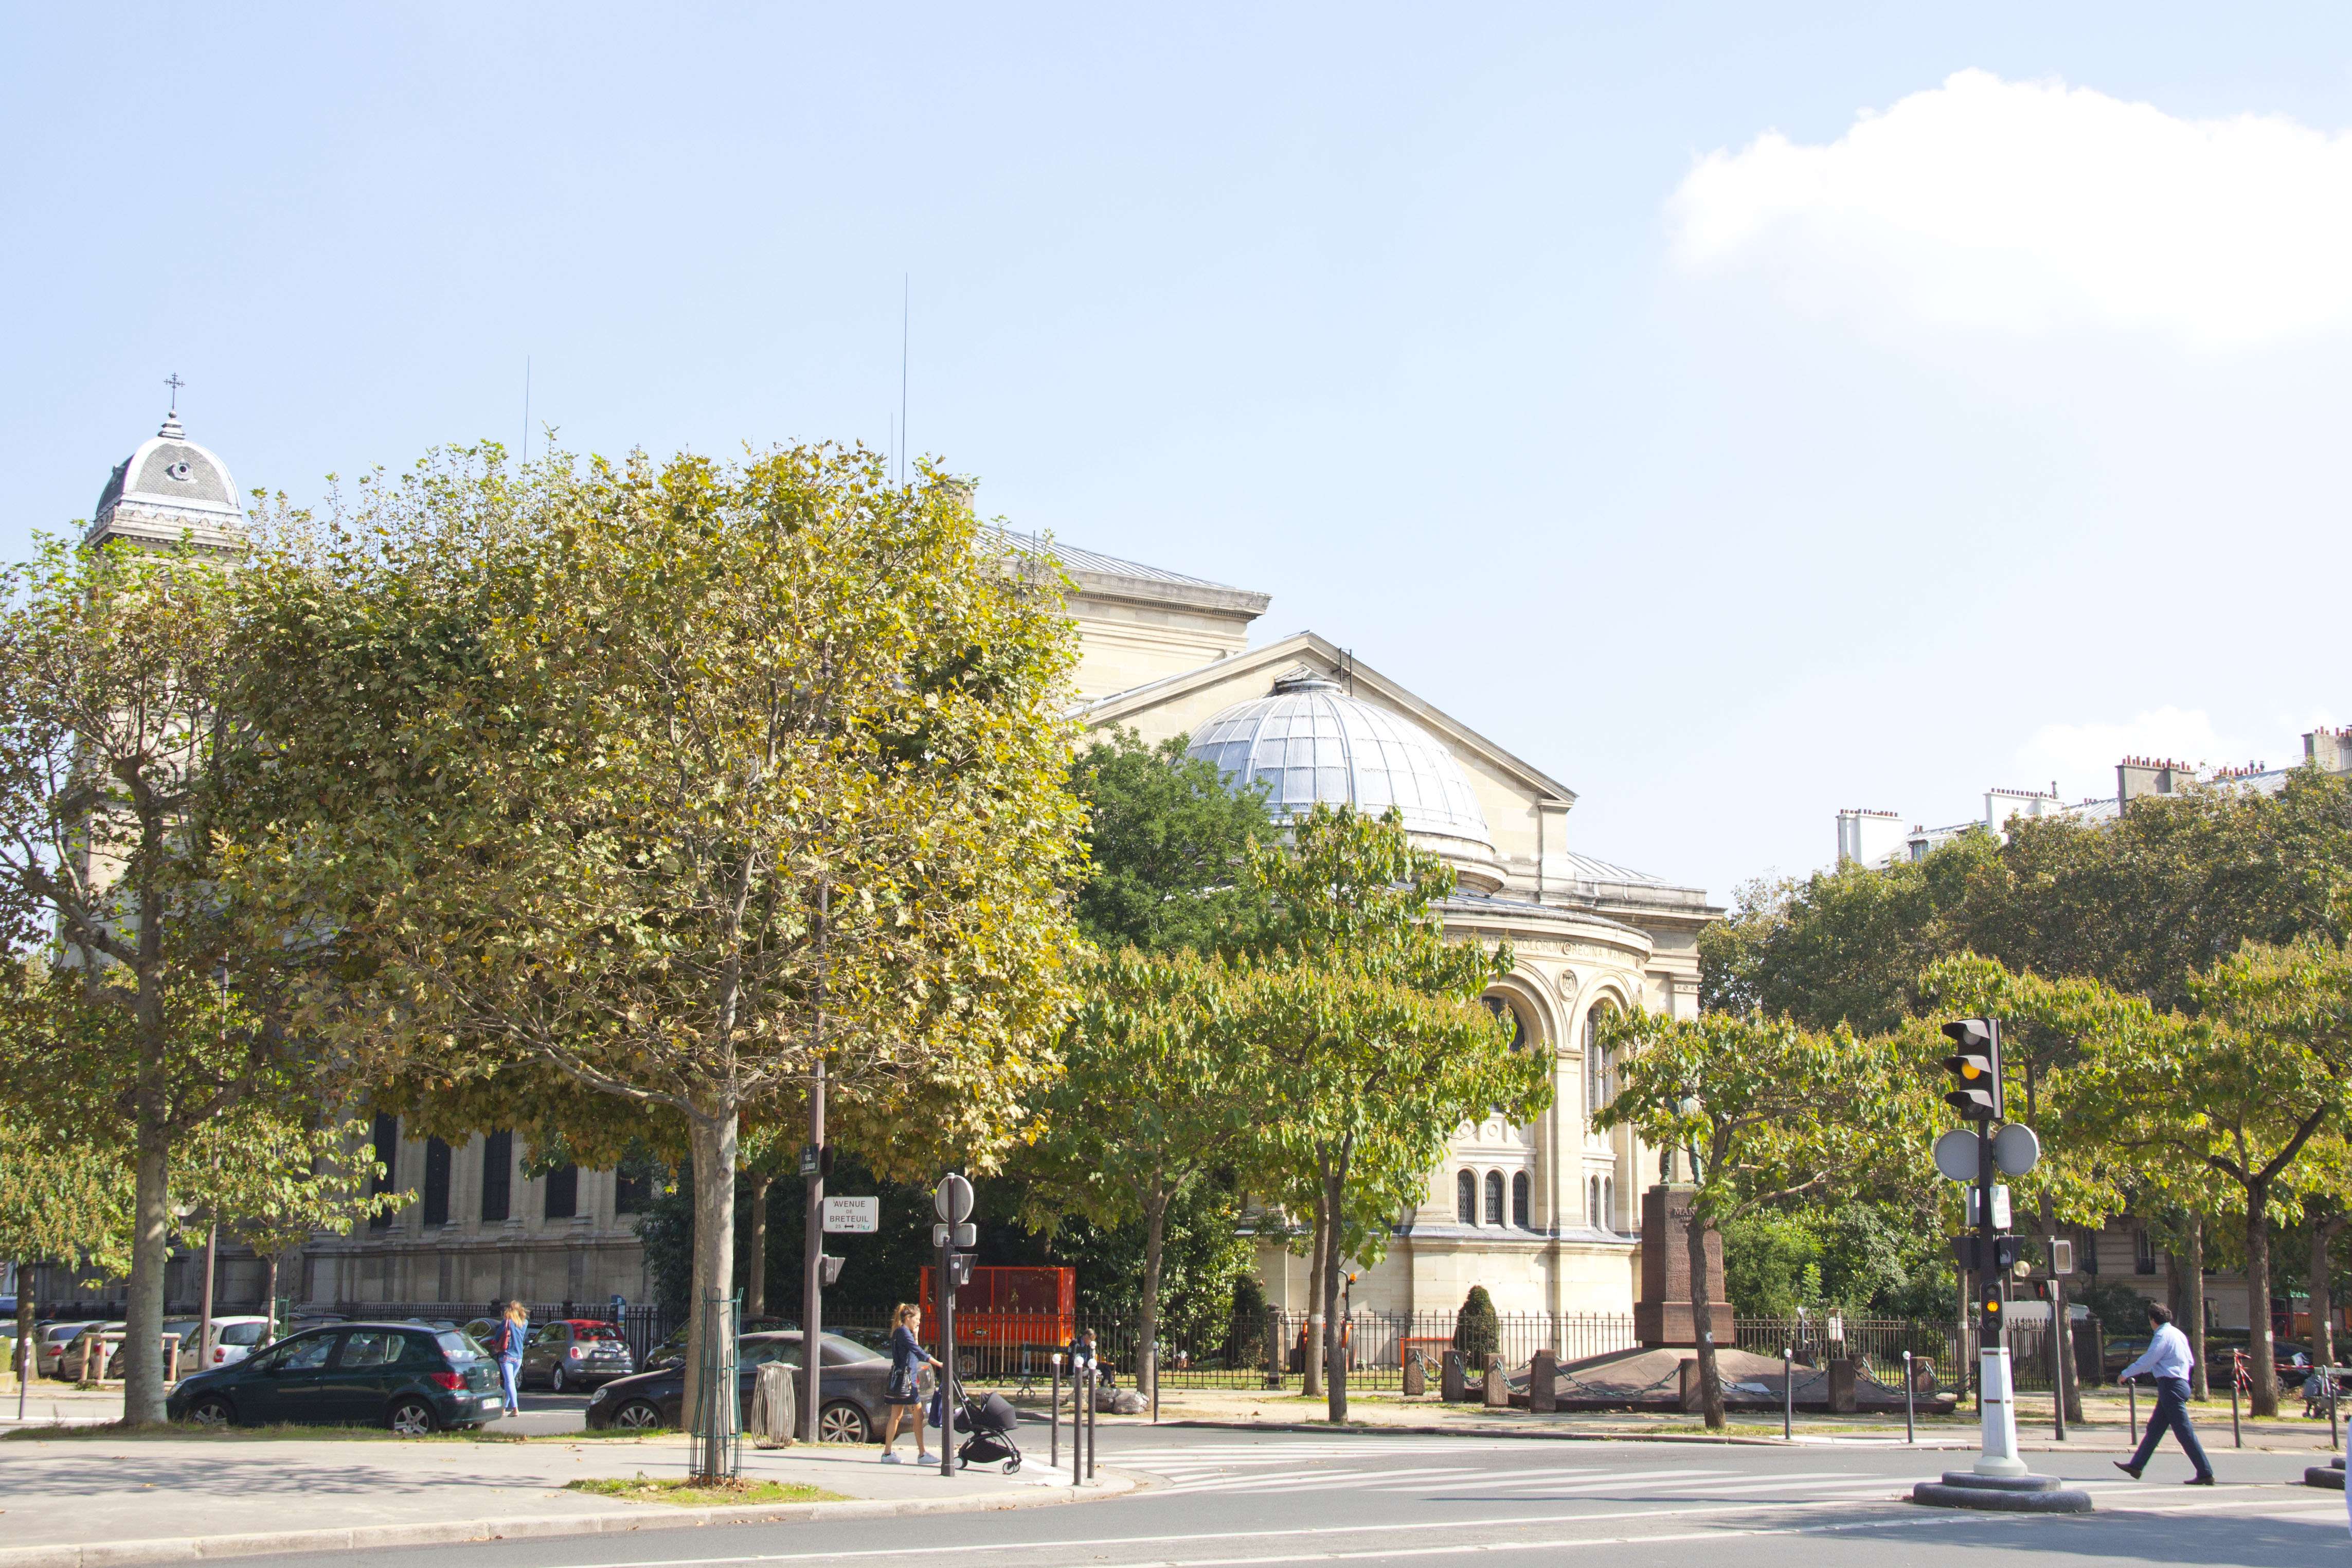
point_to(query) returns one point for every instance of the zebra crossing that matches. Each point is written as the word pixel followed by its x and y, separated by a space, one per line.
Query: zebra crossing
pixel 1318 1467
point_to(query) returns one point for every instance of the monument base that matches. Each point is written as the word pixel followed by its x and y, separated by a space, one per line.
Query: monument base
pixel 2002 1494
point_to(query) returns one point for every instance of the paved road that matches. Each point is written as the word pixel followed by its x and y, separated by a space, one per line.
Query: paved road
pixel 1242 1500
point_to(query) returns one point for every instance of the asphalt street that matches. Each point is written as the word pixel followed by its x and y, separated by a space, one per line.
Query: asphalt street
pixel 1218 1499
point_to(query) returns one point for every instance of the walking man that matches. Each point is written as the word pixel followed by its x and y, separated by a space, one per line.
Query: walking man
pixel 2167 1361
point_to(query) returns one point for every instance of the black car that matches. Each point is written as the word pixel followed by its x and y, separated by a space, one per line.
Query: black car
pixel 854 1379
pixel 411 1379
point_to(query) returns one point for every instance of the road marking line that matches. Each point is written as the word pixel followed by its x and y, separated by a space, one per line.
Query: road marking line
pixel 1403 1527
pixel 1334 1480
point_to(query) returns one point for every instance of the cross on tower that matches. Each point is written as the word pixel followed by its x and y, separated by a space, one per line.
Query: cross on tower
pixel 175 384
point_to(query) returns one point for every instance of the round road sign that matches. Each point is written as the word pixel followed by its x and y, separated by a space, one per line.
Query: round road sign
pixel 1956 1154
pixel 2015 1149
pixel 952 1198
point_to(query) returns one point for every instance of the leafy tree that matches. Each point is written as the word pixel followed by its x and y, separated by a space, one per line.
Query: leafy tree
pixel 114 663
pixel 1380 1050
pixel 1167 850
pixel 676 782
pixel 1771 1112
pixel 1164 1086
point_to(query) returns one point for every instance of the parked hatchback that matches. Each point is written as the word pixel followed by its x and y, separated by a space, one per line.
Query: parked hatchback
pixel 574 1353
pixel 854 1378
pixel 413 1380
pixel 49 1341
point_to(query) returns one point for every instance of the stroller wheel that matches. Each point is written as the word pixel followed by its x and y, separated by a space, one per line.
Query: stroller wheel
pixel 1012 1464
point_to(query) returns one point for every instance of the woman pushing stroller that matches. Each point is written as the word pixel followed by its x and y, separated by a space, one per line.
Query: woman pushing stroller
pixel 903 1393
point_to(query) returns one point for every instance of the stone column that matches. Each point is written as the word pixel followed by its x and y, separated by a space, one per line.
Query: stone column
pixel 1661 1317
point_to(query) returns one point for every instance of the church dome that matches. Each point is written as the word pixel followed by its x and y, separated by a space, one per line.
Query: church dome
pixel 170 488
pixel 1310 741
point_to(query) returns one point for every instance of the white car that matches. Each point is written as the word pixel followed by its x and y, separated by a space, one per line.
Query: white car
pixel 234 1339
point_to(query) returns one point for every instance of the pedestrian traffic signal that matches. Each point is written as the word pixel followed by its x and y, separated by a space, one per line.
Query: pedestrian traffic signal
pixel 1975 1062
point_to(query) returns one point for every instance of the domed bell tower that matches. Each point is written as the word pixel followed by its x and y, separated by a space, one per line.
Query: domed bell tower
pixel 169 492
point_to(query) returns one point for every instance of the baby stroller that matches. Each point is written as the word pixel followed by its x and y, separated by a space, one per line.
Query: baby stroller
pixel 987 1423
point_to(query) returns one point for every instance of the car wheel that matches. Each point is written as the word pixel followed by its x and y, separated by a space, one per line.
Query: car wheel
pixel 412 1418
pixel 841 1422
pixel 211 1411
pixel 555 1380
pixel 637 1415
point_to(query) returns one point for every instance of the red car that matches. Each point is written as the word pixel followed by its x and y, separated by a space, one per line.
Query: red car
pixel 574 1353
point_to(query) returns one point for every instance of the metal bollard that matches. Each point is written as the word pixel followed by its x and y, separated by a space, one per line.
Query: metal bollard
pixel 2332 1388
pixel 1910 1434
pixel 1788 1394
pixel 2237 1438
pixel 1054 1419
pixel 1090 1423
pixel 2131 1399
pixel 1080 1377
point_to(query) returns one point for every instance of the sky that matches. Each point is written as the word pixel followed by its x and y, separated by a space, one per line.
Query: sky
pixel 1739 416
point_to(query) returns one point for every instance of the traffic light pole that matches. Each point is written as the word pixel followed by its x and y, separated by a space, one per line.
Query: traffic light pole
pixel 1997 1388
pixel 947 1355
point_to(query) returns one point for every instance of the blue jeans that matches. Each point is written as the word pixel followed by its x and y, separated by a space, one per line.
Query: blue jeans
pixel 509 1371
pixel 2171 1411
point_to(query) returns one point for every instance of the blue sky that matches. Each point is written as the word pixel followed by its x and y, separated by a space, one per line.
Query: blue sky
pixel 1974 431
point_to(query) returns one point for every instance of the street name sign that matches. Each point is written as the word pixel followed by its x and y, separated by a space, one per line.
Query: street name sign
pixel 853 1216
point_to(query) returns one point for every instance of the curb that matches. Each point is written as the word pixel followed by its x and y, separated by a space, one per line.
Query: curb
pixel 1326 1429
pixel 450 1533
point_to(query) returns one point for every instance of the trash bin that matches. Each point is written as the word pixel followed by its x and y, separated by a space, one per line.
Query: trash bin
pixel 775 1406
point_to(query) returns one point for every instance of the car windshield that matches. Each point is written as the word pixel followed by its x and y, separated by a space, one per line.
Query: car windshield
pixel 458 1345
pixel 242 1334
pixel 840 1349
pixel 596 1331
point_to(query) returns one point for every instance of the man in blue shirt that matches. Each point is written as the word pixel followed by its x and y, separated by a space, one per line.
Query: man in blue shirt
pixel 2167 1361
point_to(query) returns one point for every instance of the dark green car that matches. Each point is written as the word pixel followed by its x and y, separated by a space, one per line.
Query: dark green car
pixel 412 1379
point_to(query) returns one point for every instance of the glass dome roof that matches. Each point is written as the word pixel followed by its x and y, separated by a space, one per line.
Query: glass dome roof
pixel 1311 741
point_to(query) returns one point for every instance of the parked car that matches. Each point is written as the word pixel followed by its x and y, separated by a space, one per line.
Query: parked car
pixel 100 1356
pixel 49 1341
pixel 852 1411
pixel 671 1352
pixel 574 1353
pixel 413 1380
pixel 234 1339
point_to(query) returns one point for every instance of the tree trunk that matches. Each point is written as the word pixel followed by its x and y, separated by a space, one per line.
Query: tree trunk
pixel 1311 1362
pixel 1155 1231
pixel 2200 1386
pixel 269 1302
pixel 2322 1289
pixel 755 1251
pixel 150 1235
pixel 1335 1337
pixel 1710 1384
pixel 713 1141
pixel 2263 1401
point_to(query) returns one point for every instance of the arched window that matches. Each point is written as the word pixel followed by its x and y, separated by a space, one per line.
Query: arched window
pixel 1502 1009
pixel 1519 1186
pixel 1598 1089
pixel 1592 1204
pixel 1493 1198
pixel 1608 1203
pixel 1465 1198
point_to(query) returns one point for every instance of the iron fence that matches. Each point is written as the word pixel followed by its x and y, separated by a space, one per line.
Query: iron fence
pixel 644 1327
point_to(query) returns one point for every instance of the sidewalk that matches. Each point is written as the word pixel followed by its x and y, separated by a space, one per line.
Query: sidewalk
pixel 99 1501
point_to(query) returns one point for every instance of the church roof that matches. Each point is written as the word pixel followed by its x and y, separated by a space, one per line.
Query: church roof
pixel 1310 741
pixel 1114 577
pixel 169 489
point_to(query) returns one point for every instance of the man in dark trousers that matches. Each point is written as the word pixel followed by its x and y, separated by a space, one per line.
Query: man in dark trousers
pixel 2167 1361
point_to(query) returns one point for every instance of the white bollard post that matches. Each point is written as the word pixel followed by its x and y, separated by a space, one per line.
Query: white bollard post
pixel 2000 1440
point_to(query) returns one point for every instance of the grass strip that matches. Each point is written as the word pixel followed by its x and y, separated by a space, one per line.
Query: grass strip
pixel 686 1493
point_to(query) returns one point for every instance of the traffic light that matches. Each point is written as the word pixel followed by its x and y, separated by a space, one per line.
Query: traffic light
pixel 1975 1062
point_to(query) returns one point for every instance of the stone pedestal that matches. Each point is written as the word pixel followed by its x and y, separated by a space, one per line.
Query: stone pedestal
pixel 1692 1388
pixel 1416 1381
pixel 1842 1400
pixel 1498 1393
pixel 1661 1317
pixel 1543 1382
pixel 1453 1387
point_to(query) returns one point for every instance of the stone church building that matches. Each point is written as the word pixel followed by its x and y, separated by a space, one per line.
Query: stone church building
pixel 1544 1215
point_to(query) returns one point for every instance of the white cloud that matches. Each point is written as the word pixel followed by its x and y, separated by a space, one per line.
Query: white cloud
pixel 2033 208
pixel 2082 756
